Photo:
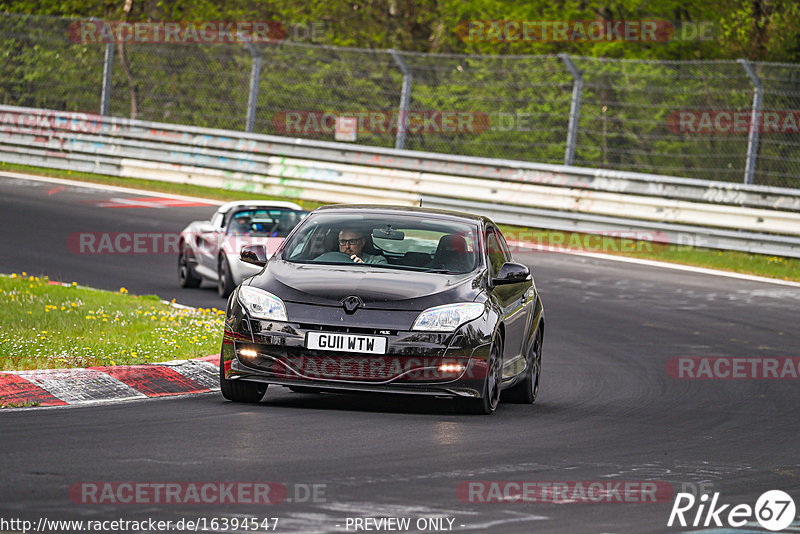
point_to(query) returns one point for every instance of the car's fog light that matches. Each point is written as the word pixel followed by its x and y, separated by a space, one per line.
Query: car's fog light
pixel 451 368
pixel 248 353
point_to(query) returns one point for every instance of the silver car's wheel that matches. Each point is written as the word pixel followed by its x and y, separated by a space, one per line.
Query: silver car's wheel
pixel 224 281
pixel 186 276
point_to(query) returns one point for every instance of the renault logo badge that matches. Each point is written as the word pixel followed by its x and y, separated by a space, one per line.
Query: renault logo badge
pixel 351 304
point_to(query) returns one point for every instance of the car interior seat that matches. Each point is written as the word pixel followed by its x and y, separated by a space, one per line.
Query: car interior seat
pixel 452 254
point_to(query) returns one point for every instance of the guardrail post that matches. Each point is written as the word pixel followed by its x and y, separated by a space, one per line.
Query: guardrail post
pixel 255 76
pixel 574 108
pixel 755 121
pixel 405 98
pixel 105 95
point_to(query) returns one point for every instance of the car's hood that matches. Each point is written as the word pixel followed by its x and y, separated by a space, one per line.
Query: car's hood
pixel 378 288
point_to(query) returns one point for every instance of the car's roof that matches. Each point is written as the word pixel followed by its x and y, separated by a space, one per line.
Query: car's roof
pixel 386 209
pixel 259 204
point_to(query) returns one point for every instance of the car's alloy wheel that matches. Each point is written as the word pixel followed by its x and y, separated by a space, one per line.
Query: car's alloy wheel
pixel 237 390
pixel 224 280
pixel 185 275
pixel 488 402
pixel 526 391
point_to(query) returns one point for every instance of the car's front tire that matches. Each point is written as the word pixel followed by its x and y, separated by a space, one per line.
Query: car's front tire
pixel 237 390
pixel 526 391
pixel 186 277
pixel 224 278
pixel 488 402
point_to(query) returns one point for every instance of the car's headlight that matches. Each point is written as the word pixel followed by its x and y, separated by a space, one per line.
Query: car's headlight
pixel 262 304
pixel 448 317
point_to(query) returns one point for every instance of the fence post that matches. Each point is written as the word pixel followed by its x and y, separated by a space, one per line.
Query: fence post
pixel 255 76
pixel 405 98
pixel 755 121
pixel 574 108
pixel 105 95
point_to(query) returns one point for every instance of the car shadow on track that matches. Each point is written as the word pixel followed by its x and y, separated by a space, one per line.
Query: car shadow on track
pixel 384 403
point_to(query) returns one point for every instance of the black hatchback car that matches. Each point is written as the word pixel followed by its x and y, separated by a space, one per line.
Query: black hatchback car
pixel 387 299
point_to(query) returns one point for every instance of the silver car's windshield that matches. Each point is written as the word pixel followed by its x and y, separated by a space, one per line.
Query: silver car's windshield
pixel 264 222
pixel 393 241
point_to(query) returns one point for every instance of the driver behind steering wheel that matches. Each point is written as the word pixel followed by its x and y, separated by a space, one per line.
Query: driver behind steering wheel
pixel 351 243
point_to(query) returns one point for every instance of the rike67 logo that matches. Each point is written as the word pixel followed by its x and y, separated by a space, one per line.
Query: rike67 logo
pixel 774 510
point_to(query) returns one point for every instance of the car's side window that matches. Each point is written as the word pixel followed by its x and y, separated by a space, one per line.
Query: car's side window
pixel 506 252
pixel 494 251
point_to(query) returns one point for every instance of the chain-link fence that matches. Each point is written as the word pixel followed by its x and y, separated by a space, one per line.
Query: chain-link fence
pixel 680 118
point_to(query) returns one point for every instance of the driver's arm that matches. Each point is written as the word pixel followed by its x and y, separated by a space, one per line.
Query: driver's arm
pixel 376 258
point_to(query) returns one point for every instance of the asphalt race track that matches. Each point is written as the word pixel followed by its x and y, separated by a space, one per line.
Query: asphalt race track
pixel 608 410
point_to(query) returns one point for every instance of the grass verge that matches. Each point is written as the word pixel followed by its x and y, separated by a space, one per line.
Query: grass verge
pixel 47 325
pixel 740 262
pixel 18 405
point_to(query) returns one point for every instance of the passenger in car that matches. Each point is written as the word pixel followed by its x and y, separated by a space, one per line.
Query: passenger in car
pixel 239 226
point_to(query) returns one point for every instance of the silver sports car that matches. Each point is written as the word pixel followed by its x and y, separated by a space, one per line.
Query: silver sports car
pixel 209 250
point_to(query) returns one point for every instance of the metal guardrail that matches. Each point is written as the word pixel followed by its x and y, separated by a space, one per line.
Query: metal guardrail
pixel 669 117
pixel 703 213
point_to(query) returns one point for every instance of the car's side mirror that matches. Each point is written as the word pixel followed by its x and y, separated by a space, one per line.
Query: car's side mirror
pixel 255 254
pixel 206 228
pixel 511 273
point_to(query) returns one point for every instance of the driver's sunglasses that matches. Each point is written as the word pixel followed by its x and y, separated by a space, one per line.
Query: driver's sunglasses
pixel 344 242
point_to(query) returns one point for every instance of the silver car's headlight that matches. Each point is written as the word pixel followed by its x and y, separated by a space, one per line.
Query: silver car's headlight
pixel 448 317
pixel 262 304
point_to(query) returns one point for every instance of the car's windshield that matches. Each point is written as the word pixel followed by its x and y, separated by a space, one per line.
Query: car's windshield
pixel 264 222
pixel 399 241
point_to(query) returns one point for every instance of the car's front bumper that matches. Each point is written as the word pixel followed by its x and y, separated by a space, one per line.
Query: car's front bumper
pixel 276 353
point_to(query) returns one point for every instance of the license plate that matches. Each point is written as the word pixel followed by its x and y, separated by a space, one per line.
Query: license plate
pixel 346 342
